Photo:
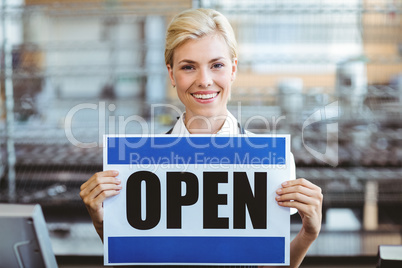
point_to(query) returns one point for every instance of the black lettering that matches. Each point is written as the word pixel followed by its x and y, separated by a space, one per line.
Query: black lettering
pixel 175 200
pixel 153 200
pixel 256 204
pixel 212 199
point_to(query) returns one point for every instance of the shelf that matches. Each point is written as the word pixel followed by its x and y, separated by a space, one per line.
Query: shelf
pixel 137 7
pixel 98 8
pixel 305 9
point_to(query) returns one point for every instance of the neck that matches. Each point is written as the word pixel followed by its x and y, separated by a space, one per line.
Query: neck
pixel 200 124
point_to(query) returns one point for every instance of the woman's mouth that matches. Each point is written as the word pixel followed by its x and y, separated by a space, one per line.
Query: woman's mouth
pixel 205 96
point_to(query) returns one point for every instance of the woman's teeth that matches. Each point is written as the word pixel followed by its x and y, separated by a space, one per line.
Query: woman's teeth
pixel 205 96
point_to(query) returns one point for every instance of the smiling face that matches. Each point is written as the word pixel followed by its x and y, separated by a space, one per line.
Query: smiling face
pixel 202 73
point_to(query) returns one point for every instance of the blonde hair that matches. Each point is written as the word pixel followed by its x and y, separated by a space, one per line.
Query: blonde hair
pixel 195 24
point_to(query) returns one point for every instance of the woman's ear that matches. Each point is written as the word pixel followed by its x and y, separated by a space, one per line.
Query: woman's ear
pixel 170 71
pixel 234 69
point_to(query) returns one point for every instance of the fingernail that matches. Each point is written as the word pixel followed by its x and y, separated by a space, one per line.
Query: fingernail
pixel 285 183
pixel 279 191
pixel 115 172
pixel 118 180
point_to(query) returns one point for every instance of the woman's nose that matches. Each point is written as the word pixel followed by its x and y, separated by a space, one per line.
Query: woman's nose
pixel 204 79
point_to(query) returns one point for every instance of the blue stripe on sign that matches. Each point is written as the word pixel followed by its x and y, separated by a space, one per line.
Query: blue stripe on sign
pixel 197 250
pixel 196 150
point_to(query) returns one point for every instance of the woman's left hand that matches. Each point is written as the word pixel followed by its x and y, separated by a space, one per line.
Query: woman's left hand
pixel 307 198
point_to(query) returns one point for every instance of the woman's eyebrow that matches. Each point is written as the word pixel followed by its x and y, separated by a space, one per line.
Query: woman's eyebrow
pixel 187 61
pixel 217 59
pixel 193 62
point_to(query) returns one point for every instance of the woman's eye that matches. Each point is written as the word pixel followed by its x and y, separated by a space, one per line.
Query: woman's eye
pixel 217 65
pixel 187 67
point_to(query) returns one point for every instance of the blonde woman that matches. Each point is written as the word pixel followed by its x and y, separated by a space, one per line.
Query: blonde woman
pixel 201 59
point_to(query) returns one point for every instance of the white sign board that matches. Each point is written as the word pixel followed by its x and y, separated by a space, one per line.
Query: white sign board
pixel 197 200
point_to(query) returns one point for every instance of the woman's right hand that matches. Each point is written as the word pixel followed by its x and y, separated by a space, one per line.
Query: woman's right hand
pixel 95 190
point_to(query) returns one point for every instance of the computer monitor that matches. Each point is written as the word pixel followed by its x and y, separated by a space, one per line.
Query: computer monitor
pixel 24 238
pixel 389 256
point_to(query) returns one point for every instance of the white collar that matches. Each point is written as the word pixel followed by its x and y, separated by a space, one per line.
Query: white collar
pixel 230 126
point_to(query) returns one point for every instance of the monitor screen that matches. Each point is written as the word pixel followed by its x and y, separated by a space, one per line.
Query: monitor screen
pixel 24 237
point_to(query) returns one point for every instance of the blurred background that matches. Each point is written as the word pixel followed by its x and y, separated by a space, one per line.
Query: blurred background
pixel 328 72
